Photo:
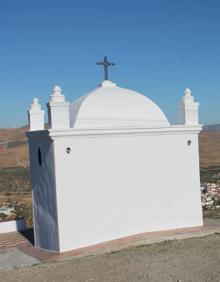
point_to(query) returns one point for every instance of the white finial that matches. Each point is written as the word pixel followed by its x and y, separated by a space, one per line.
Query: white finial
pixel 189 109
pixel 57 89
pixel 35 106
pixel 188 98
pixel 57 95
pixel 35 100
pixel 36 116
pixel 58 110
pixel 187 92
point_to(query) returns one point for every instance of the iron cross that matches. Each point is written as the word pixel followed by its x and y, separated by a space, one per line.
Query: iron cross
pixel 105 63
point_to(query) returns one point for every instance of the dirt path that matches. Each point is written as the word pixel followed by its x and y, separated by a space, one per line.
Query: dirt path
pixel 193 260
pixel 19 162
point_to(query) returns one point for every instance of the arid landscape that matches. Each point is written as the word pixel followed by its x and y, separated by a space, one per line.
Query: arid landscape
pixel 13 148
pixel 14 173
pixel 209 146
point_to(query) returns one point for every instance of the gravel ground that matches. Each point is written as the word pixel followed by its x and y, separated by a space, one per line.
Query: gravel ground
pixel 196 259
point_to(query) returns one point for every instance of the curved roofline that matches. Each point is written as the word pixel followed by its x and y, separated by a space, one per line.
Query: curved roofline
pixel 108 105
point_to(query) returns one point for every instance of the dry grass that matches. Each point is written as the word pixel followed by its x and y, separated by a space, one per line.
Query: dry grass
pixel 13 147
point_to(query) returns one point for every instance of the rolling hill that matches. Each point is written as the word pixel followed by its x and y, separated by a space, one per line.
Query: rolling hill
pixel 13 147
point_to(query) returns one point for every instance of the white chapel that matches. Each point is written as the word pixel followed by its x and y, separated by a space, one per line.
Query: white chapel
pixel 110 166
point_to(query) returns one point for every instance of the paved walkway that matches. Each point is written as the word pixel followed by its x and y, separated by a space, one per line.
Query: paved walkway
pixel 13 239
pixel 23 243
pixel 13 258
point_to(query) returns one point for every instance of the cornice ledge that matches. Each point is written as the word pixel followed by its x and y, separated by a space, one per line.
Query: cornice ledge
pixel 44 134
pixel 173 129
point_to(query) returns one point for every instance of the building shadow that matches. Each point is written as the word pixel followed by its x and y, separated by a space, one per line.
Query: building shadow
pixel 28 234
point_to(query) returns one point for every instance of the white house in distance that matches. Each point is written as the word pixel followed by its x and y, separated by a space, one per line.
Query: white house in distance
pixel 111 165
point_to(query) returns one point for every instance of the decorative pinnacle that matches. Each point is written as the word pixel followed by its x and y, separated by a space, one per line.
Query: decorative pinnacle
pixel 57 95
pixel 187 92
pixel 35 101
pixel 35 104
pixel 57 90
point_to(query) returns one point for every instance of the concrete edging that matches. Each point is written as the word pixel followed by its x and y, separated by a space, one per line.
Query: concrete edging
pixel 13 225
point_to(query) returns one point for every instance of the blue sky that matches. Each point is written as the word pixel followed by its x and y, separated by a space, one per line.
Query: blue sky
pixel 160 48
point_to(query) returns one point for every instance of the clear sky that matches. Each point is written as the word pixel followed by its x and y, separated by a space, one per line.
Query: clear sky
pixel 160 48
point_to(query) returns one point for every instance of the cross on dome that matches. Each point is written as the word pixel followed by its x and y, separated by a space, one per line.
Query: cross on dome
pixel 105 63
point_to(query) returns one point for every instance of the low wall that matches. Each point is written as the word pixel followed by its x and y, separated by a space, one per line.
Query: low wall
pixel 12 225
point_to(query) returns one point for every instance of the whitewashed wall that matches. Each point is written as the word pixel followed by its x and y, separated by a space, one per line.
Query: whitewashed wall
pixel 109 187
pixel 44 194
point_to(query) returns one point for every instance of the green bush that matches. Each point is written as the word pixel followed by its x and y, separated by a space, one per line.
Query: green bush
pixel 2 215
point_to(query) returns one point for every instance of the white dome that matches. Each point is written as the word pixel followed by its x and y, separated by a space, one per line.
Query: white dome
pixel 110 106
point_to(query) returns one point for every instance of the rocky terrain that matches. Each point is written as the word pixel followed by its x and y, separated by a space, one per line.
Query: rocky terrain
pixel 210 198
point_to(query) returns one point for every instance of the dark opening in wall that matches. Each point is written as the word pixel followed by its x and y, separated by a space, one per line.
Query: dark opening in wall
pixel 39 157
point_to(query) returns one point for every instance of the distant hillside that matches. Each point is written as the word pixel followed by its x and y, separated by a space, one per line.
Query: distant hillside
pixel 14 147
pixel 211 127
pixel 209 147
